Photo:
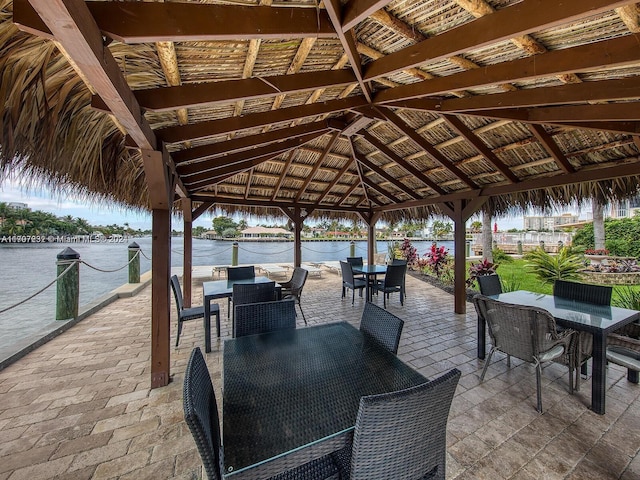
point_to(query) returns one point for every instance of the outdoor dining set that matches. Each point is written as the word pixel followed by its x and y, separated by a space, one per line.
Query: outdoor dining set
pixel 334 401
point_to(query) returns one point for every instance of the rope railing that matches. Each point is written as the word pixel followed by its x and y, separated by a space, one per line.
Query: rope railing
pixel 261 253
pixel 6 309
pixel 111 271
pixel 328 253
pixel 178 252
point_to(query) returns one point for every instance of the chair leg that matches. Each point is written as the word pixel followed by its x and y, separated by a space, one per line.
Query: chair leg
pixel 179 331
pixel 303 317
pixel 538 387
pixel 353 296
pixel 344 293
pixel 632 375
pixel 486 364
pixel 228 308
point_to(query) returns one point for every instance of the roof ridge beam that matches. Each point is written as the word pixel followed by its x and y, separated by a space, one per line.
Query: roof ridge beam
pixel 514 21
pixel 210 93
pixel 617 51
pixel 142 22
pixel 222 126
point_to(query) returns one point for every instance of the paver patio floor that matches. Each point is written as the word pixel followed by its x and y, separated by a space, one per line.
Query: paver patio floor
pixel 80 406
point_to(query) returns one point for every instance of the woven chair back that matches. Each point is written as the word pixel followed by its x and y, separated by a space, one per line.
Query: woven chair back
pixel 347 272
pixel 520 331
pixel 298 280
pixel 403 434
pixel 177 292
pixel 394 277
pixel 257 318
pixel 490 285
pixel 355 261
pixel 201 413
pixel 583 292
pixel 381 326
pixel 241 273
pixel 253 292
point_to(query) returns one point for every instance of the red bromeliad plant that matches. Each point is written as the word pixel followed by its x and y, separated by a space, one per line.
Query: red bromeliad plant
pixel 437 259
pixel 485 267
pixel 409 253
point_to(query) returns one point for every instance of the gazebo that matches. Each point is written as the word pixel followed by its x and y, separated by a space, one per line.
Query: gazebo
pixel 371 108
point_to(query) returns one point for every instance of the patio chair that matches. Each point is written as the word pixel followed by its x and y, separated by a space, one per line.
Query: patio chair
pixel 192 313
pixel 623 348
pixel 256 318
pixel 348 281
pixel 357 262
pixel 253 293
pixel 585 293
pixel 393 282
pixel 402 261
pixel 293 287
pixel 201 415
pixel 239 273
pixel 526 333
pixel 490 285
pixel 381 326
pixel 402 434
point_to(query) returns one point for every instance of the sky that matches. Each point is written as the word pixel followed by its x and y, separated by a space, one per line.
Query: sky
pixel 96 214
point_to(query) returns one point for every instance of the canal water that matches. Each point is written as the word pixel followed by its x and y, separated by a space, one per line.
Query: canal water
pixel 28 267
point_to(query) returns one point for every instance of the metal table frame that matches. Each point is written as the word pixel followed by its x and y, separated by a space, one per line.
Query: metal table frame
pixel 596 319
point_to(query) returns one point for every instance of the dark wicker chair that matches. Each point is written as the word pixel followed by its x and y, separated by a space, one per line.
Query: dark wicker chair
pixel 382 326
pixel 201 415
pixel 348 281
pixel 293 288
pixel 585 293
pixel 357 262
pixel 623 348
pixel 256 318
pixel 401 435
pixel 253 293
pixel 192 313
pixel 393 282
pixel 526 333
pixel 489 285
pixel 239 273
pixel 401 261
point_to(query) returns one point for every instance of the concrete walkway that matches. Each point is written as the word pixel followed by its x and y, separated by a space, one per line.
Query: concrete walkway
pixel 80 406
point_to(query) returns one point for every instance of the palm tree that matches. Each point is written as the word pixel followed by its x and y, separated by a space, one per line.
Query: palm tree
pixel 598 223
pixel 476 226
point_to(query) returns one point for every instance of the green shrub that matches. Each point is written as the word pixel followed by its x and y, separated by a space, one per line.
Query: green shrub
pixel 510 283
pixel 499 256
pixel 627 297
pixel 548 268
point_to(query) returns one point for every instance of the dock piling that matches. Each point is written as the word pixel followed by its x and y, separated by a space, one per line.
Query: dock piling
pixel 68 285
pixel 134 262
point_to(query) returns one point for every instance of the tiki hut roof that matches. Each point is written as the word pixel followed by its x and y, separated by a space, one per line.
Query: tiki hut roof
pixel 386 109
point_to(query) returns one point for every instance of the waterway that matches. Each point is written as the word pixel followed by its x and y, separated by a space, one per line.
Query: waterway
pixel 28 267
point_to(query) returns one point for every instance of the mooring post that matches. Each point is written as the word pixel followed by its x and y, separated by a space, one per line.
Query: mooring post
pixel 352 249
pixel 519 247
pixel 234 254
pixel 68 286
pixel 134 262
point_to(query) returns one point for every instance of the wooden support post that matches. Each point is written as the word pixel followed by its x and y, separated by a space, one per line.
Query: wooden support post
pixel 460 211
pixel 297 237
pixel 371 220
pixel 187 260
pixel 160 189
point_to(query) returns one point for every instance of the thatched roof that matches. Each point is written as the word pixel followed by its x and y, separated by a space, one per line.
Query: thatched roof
pixel 392 108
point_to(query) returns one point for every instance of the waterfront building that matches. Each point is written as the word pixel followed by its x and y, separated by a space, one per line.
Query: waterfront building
pixel 549 223
pixel 265 232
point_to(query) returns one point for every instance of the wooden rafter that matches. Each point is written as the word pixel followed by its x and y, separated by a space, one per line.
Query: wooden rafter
pixel 464 131
pixel 519 19
pixel 385 150
pixel 382 191
pixel 169 63
pixel 143 22
pixel 228 200
pixel 630 15
pixel 246 143
pixel 227 125
pixel 317 164
pixel 196 169
pixel 382 173
pixel 211 93
pixel 348 41
pixel 592 56
pixel 357 10
pixel 552 147
pixel 425 146
pixel 283 175
pixel 337 177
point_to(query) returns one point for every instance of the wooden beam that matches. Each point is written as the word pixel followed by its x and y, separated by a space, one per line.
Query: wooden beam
pixel 374 186
pixel 245 143
pixel 212 177
pixel 196 168
pixel 187 250
pixel 223 126
pixel 203 207
pixel 424 145
pixel 403 163
pixel 519 19
pixel 382 173
pixel 317 164
pixel 74 28
pixel 283 175
pixel 464 131
pixel 629 14
pixel 593 56
pixel 356 11
pixel 333 183
pixel 605 90
pixel 348 41
pixel 552 147
pixel 226 91
pixel 141 22
pixel 158 179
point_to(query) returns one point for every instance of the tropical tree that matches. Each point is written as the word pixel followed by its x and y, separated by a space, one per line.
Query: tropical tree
pixel 476 227
pixel 549 268
pixel 441 228
pixel 222 223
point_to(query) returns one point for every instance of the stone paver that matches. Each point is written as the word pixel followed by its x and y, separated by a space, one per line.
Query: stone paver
pixel 80 407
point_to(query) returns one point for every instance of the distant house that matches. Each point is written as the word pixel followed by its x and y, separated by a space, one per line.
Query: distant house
pixel 265 232
pixel 18 206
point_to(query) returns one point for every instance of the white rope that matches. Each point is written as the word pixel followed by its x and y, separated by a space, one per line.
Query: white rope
pixel 204 255
pixel 41 290
pixel 263 253
pixel 319 251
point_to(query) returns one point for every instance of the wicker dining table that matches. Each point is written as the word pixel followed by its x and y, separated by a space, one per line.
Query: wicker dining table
pixel 292 396
pixel 598 320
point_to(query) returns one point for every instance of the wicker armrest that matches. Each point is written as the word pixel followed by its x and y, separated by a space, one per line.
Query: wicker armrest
pixel 613 339
pixel 631 330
